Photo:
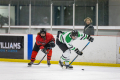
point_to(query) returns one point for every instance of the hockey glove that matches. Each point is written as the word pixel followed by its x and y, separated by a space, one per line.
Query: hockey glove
pixel 90 38
pixel 44 51
pixel 52 44
pixel 78 52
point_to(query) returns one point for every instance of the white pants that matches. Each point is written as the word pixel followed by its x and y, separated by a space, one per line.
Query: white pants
pixel 66 57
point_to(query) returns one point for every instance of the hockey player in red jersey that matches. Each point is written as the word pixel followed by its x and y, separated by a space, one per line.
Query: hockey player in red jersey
pixel 44 41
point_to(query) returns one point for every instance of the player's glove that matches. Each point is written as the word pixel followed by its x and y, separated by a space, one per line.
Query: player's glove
pixel 78 52
pixel 90 38
pixel 51 44
pixel 44 51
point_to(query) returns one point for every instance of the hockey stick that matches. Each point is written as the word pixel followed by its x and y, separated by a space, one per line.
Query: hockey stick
pixel 42 58
pixel 78 55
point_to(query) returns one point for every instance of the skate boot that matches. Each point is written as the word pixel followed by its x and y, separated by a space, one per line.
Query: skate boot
pixel 30 63
pixel 61 63
pixel 48 63
pixel 68 67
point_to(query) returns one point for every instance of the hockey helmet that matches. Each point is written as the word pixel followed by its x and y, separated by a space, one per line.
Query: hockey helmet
pixel 43 31
pixel 74 33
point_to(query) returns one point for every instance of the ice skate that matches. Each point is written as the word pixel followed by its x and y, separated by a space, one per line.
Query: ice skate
pixel 61 63
pixel 68 67
pixel 30 64
pixel 48 63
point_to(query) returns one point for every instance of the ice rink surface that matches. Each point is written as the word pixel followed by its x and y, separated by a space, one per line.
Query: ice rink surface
pixel 20 71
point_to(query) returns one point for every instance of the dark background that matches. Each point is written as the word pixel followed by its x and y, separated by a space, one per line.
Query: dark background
pixel 62 11
pixel 13 55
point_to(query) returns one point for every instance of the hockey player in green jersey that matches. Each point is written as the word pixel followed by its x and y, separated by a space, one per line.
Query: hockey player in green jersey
pixel 64 41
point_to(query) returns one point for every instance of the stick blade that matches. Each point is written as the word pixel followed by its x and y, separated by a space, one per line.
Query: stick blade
pixel 36 64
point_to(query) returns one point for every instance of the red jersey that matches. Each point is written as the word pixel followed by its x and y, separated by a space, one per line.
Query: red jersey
pixel 42 42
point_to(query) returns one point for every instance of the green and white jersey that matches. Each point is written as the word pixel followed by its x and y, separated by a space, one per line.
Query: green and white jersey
pixel 66 39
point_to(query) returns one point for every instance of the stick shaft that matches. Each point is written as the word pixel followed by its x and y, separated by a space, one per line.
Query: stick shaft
pixel 85 46
pixel 73 60
pixel 42 58
pixel 77 55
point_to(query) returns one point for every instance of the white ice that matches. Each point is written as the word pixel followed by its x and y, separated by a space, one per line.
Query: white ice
pixel 20 71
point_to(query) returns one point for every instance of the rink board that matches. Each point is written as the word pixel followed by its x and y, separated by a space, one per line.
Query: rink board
pixel 104 51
